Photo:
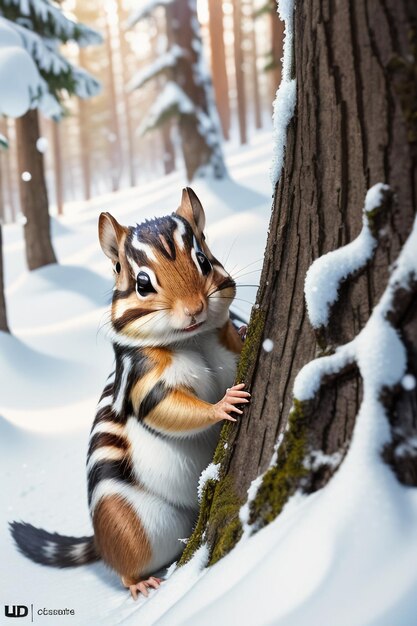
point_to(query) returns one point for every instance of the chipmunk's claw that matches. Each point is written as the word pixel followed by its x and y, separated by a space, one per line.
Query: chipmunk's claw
pixel 143 585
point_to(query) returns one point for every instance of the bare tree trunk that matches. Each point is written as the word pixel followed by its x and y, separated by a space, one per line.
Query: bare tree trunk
pixel 356 84
pixel 218 64
pixel 33 193
pixel 240 74
pixel 126 99
pixel 114 144
pixel 255 80
pixel 56 139
pixel 83 117
pixel 7 174
pixel 277 38
pixel 3 313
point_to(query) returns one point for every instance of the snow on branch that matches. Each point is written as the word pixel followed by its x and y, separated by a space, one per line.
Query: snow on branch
pixel 54 21
pixel 20 80
pixel 210 473
pixel 51 62
pixel 377 350
pixel 145 9
pixel 171 101
pixel 166 61
pixel 325 275
pixel 285 100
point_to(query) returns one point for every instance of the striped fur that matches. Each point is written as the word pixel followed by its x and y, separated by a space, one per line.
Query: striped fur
pixel 175 354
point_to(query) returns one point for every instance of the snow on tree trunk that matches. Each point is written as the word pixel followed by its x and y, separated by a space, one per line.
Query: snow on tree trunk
pixel 199 129
pixel 33 194
pixel 354 127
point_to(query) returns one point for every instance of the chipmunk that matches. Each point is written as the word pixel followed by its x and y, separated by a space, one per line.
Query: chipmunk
pixel 157 420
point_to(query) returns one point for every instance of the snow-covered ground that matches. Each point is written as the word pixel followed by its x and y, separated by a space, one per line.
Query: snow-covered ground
pixel 54 366
pixel 344 556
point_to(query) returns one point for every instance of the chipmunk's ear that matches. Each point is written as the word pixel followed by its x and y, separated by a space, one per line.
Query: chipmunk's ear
pixel 110 233
pixel 191 209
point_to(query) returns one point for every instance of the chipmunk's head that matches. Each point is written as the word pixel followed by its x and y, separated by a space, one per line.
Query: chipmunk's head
pixel 168 285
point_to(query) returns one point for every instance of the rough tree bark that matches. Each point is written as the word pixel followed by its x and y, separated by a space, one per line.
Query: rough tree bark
pixel 354 126
pixel 218 64
pixel 33 194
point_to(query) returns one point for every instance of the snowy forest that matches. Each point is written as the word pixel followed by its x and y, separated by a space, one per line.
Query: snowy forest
pixel 295 125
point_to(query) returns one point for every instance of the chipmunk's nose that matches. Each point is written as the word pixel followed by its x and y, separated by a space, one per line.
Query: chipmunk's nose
pixel 195 308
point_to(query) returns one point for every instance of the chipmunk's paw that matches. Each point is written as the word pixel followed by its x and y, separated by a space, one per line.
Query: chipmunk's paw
pixel 142 586
pixel 234 395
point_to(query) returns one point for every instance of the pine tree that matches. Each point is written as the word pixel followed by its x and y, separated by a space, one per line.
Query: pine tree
pixel 42 27
pixel 187 93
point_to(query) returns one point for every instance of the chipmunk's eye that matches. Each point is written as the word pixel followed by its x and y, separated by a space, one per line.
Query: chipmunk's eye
pixel 117 267
pixel 203 262
pixel 144 284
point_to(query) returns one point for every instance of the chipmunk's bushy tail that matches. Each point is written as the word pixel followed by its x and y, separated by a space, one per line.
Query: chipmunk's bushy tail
pixel 51 548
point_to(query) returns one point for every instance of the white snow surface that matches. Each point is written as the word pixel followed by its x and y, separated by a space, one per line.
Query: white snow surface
pixel 162 63
pixel 328 271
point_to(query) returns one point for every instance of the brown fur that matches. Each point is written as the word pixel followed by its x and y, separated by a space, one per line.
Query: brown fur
pixel 229 338
pixel 121 539
pixel 180 411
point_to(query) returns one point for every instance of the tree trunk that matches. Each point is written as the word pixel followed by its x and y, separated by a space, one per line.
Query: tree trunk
pixel 114 139
pixel 33 193
pixel 277 38
pixel 84 120
pixel 240 74
pixel 254 65
pixel 126 96
pixel 218 64
pixel 355 71
pixel 56 139
pixel 200 136
pixel 3 313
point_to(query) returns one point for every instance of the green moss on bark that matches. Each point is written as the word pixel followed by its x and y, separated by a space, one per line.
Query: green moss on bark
pixel 282 480
pixel 224 518
pixel 251 345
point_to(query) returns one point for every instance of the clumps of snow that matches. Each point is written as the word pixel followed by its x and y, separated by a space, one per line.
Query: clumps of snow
pixel 285 100
pixel 170 101
pixel 244 512
pixel 210 473
pixel 170 570
pixel 268 345
pixel 162 63
pixel 328 271
pixel 145 9
pixel 26 177
pixel 19 76
pixel 317 458
pixel 408 382
pixel 42 145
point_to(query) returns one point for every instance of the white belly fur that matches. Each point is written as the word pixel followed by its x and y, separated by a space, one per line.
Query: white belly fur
pixel 169 468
